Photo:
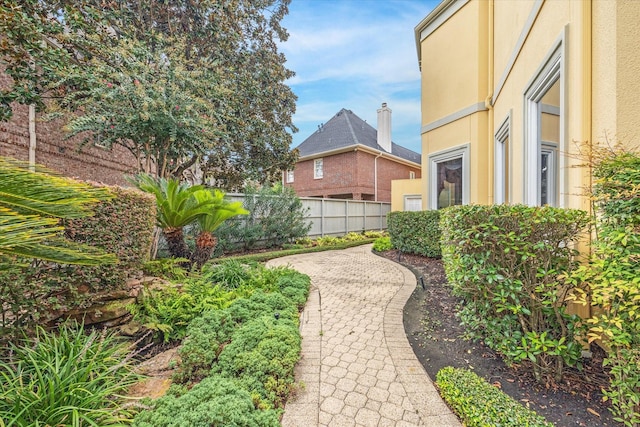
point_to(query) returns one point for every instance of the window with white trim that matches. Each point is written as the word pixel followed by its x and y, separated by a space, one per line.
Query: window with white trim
pixel 449 178
pixel 412 203
pixel 412 175
pixel 501 164
pixel 289 177
pixel 543 133
pixel 318 172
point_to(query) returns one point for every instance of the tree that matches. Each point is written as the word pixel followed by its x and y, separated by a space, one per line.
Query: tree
pixel 223 44
pixel 31 204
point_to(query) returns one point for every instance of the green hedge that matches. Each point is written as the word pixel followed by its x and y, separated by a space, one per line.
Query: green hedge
pixel 122 225
pixel 415 232
pixel 41 291
pixel 479 404
pixel 508 264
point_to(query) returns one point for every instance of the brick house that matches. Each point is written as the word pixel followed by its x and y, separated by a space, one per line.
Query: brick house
pixel 25 137
pixel 346 158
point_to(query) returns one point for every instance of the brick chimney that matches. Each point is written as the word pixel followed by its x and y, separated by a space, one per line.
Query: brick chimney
pixel 384 127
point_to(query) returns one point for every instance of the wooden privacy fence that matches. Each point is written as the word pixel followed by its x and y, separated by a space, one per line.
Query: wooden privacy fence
pixel 336 217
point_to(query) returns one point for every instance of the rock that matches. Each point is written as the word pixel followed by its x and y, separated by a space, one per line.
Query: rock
pixel 130 329
pixel 100 313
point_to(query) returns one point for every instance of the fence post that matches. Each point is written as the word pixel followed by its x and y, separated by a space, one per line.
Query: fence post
pixel 346 216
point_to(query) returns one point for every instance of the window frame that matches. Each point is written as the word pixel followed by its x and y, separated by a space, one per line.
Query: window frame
pixel 411 197
pixel 289 176
pixel 461 151
pixel 318 162
pixel 502 163
pixel 551 71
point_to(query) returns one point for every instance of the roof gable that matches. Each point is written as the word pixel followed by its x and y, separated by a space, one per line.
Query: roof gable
pixel 345 129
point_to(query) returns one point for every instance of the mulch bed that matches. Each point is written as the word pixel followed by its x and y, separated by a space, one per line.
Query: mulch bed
pixel 435 334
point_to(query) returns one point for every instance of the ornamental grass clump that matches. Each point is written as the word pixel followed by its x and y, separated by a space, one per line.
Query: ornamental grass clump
pixel 68 378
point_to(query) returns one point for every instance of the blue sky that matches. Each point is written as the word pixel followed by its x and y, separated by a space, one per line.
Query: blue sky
pixel 355 54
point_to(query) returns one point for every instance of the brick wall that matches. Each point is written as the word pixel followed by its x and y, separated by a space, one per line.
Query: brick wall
pixel 349 175
pixel 64 156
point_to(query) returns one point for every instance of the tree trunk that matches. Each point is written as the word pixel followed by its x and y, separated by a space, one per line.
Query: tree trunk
pixel 205 244
pixel 175 240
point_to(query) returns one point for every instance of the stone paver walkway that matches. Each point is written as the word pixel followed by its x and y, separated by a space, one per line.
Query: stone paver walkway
pixel 357 366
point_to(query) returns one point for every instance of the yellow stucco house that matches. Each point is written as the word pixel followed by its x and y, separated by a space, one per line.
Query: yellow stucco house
pixel 509 89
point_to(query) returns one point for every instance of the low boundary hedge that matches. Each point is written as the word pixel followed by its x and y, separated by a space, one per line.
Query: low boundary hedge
pixel 479 404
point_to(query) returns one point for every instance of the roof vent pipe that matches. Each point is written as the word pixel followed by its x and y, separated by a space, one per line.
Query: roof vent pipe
pixel 384 127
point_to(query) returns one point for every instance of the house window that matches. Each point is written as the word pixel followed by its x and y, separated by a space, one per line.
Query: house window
pixel 501 164
pixel 317 169
pixel 543 133
pixel 412 203
pixel 449 178
pixel 412 175
pixel 289 177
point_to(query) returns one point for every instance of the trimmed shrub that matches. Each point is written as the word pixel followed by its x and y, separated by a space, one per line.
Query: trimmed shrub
pixel 262 355
pixel 506 263
pixel 206 337
pixel 415 232
pixel 212 402
pixel 479 404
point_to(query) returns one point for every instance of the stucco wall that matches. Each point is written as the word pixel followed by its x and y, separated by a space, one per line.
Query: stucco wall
pixel 404 187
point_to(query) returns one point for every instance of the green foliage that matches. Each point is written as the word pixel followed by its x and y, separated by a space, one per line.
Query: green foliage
pixel 170 310
pixel 245 353
pixel 167 268
pixel 382 244
pixel 181 204
pixel 212 402
pixel 479 404
pixel 65 378
pixel 262 355
pixel 612 276
pixel 206 337
pixel 31 203
pixel 95 220
pixel 122 225
pixel 178 85
pixel 415 232
pixel 506 263
pixel 276 217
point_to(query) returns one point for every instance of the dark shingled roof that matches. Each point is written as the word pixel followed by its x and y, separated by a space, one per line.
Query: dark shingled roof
pixel 345 129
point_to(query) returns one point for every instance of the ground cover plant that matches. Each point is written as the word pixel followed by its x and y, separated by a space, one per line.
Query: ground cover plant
pixel 236 359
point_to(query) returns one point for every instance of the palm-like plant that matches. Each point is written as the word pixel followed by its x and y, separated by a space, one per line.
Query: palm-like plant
pixel 31 203
pixel 219 211
pixel 177 208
